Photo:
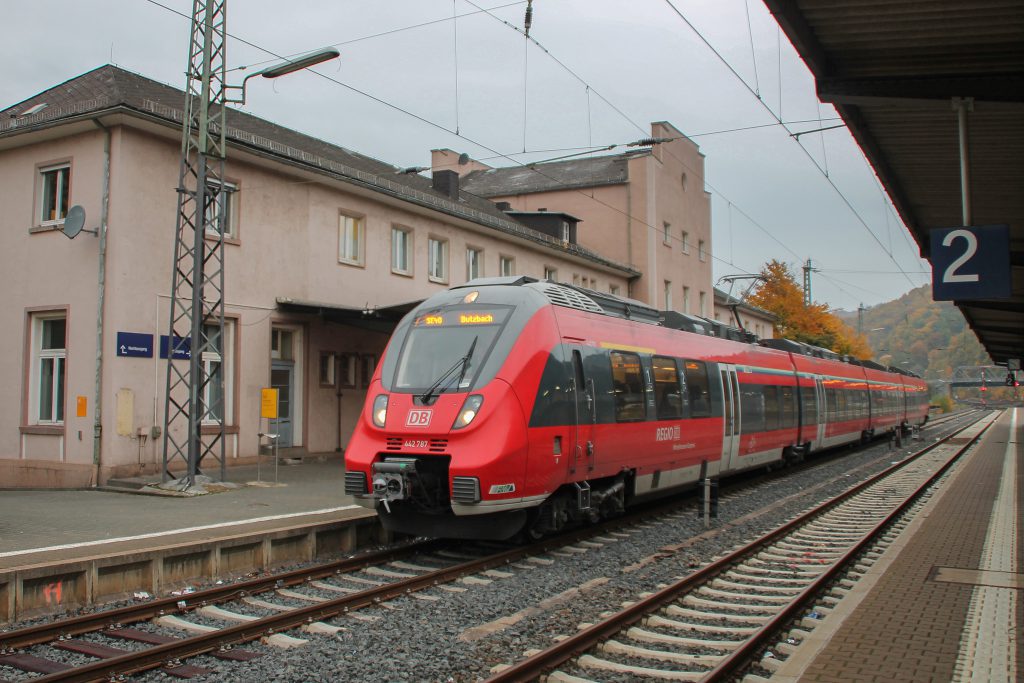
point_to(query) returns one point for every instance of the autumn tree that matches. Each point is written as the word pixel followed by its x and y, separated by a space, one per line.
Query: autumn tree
pixel 779 293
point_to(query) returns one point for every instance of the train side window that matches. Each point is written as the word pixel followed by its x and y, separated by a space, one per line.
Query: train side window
pixel 771 408
pixel 628 386
pixel 698 387
pixel 752 408
pixel 554 403
pixel 788 407
pixel 668 394
pixel 809 405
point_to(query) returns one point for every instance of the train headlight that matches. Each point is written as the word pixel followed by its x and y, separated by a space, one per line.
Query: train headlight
pixel 469 410
pixel 380 410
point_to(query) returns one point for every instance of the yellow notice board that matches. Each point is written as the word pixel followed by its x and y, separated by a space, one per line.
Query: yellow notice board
pixel 268 403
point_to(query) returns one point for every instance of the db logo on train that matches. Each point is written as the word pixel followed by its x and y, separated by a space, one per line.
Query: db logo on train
pixel 418 418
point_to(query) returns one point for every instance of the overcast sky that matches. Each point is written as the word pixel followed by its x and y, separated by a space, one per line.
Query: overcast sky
pixel 397 96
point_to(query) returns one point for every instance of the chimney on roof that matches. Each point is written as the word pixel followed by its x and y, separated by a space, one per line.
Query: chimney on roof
pixel 447 183
pixel 503 206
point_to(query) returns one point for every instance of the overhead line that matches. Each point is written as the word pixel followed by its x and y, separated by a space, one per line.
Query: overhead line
pixel 778 118
pixel 506 156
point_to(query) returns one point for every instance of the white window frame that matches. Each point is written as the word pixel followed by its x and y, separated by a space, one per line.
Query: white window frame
pixel 506 265
pixel 217 190
pixel 686 242
pixel 613 289
pixel 62 196
pixel 668 295
pixel 702 252
pixel 565 232
pixel 551 273
pixel 351 239
pixel 476 262
pixel 401 250
pixel 666 233
pixel 437 259
pixel 686 299
pixel 703 304
pixel 226 359
pixel 58 381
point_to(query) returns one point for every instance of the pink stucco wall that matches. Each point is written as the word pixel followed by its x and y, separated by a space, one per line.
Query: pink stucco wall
pixel 287 246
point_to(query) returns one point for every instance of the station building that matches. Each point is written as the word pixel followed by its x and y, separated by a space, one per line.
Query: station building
pixel 647 206
pixel 325 250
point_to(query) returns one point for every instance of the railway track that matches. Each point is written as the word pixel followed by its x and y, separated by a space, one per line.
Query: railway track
pixel 166 633
pixel 719 622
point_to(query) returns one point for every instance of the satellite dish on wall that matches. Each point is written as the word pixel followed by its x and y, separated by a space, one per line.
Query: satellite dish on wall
pixel 463 159
pixel 74 222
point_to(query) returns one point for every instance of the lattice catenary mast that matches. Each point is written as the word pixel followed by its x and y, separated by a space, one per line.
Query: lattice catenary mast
pixel 194 399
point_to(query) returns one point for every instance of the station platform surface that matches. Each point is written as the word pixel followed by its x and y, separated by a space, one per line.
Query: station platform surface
pixel 37 524
pixel 945 602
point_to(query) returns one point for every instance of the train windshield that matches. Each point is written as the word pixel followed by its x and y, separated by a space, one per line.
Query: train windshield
pixel 445 349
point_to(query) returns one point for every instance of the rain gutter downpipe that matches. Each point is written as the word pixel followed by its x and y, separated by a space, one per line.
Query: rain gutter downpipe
pixel 97 427
pixel 963 105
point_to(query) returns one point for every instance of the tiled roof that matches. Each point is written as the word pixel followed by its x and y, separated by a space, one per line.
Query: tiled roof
pixel 110 88
pixel 549 177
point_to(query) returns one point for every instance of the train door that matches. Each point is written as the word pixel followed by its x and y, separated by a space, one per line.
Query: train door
pixel 819 393
pixel 731 418
pixel 586 416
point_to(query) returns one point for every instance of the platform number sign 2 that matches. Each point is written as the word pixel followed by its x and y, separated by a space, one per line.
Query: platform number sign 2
pixel 970 262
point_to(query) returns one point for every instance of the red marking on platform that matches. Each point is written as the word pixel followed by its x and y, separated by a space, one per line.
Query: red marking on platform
pixel 53 592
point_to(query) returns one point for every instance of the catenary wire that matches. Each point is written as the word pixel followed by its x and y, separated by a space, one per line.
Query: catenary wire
pixel 508 157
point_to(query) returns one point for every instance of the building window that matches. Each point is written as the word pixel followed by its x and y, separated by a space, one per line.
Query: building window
pixel 686 299
pixel 347 372
pixel 474 263
pixel 702 253
pixel 704 304
pixel 328 374
pixel 550 273
pixel 686 242
pixel 281 346
pixel 55 193
pixel 351 232
pixel 668 295
pixel 613 289
pixel 506 265
pixel 565 232
pixel 401 247
pixel 49 367
pixel 217 371
pixel 437 264
pixel 223 196
pixel 666 237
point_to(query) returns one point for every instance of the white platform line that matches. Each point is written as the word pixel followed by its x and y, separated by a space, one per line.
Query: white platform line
pixel 158 534
pixel 988 648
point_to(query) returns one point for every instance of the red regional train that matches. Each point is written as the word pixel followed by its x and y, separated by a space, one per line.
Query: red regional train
pixel 511 405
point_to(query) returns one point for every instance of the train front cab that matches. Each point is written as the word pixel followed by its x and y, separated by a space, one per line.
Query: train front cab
pixel 441 447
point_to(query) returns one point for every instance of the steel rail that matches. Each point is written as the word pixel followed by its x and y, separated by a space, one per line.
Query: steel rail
pixel 85 623
pixel 187 647
pixel 161 655
pixel 531 668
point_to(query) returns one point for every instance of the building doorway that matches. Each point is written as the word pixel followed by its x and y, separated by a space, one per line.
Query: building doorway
pixel 285 373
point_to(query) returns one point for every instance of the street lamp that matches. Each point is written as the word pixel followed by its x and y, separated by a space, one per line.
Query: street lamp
pixel 286 67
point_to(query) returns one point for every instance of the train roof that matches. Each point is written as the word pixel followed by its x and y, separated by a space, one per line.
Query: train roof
pixel 593 301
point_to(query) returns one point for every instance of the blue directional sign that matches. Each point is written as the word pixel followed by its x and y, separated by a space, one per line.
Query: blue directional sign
pixel 182 347
pixel 971 262
pixel 134 345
